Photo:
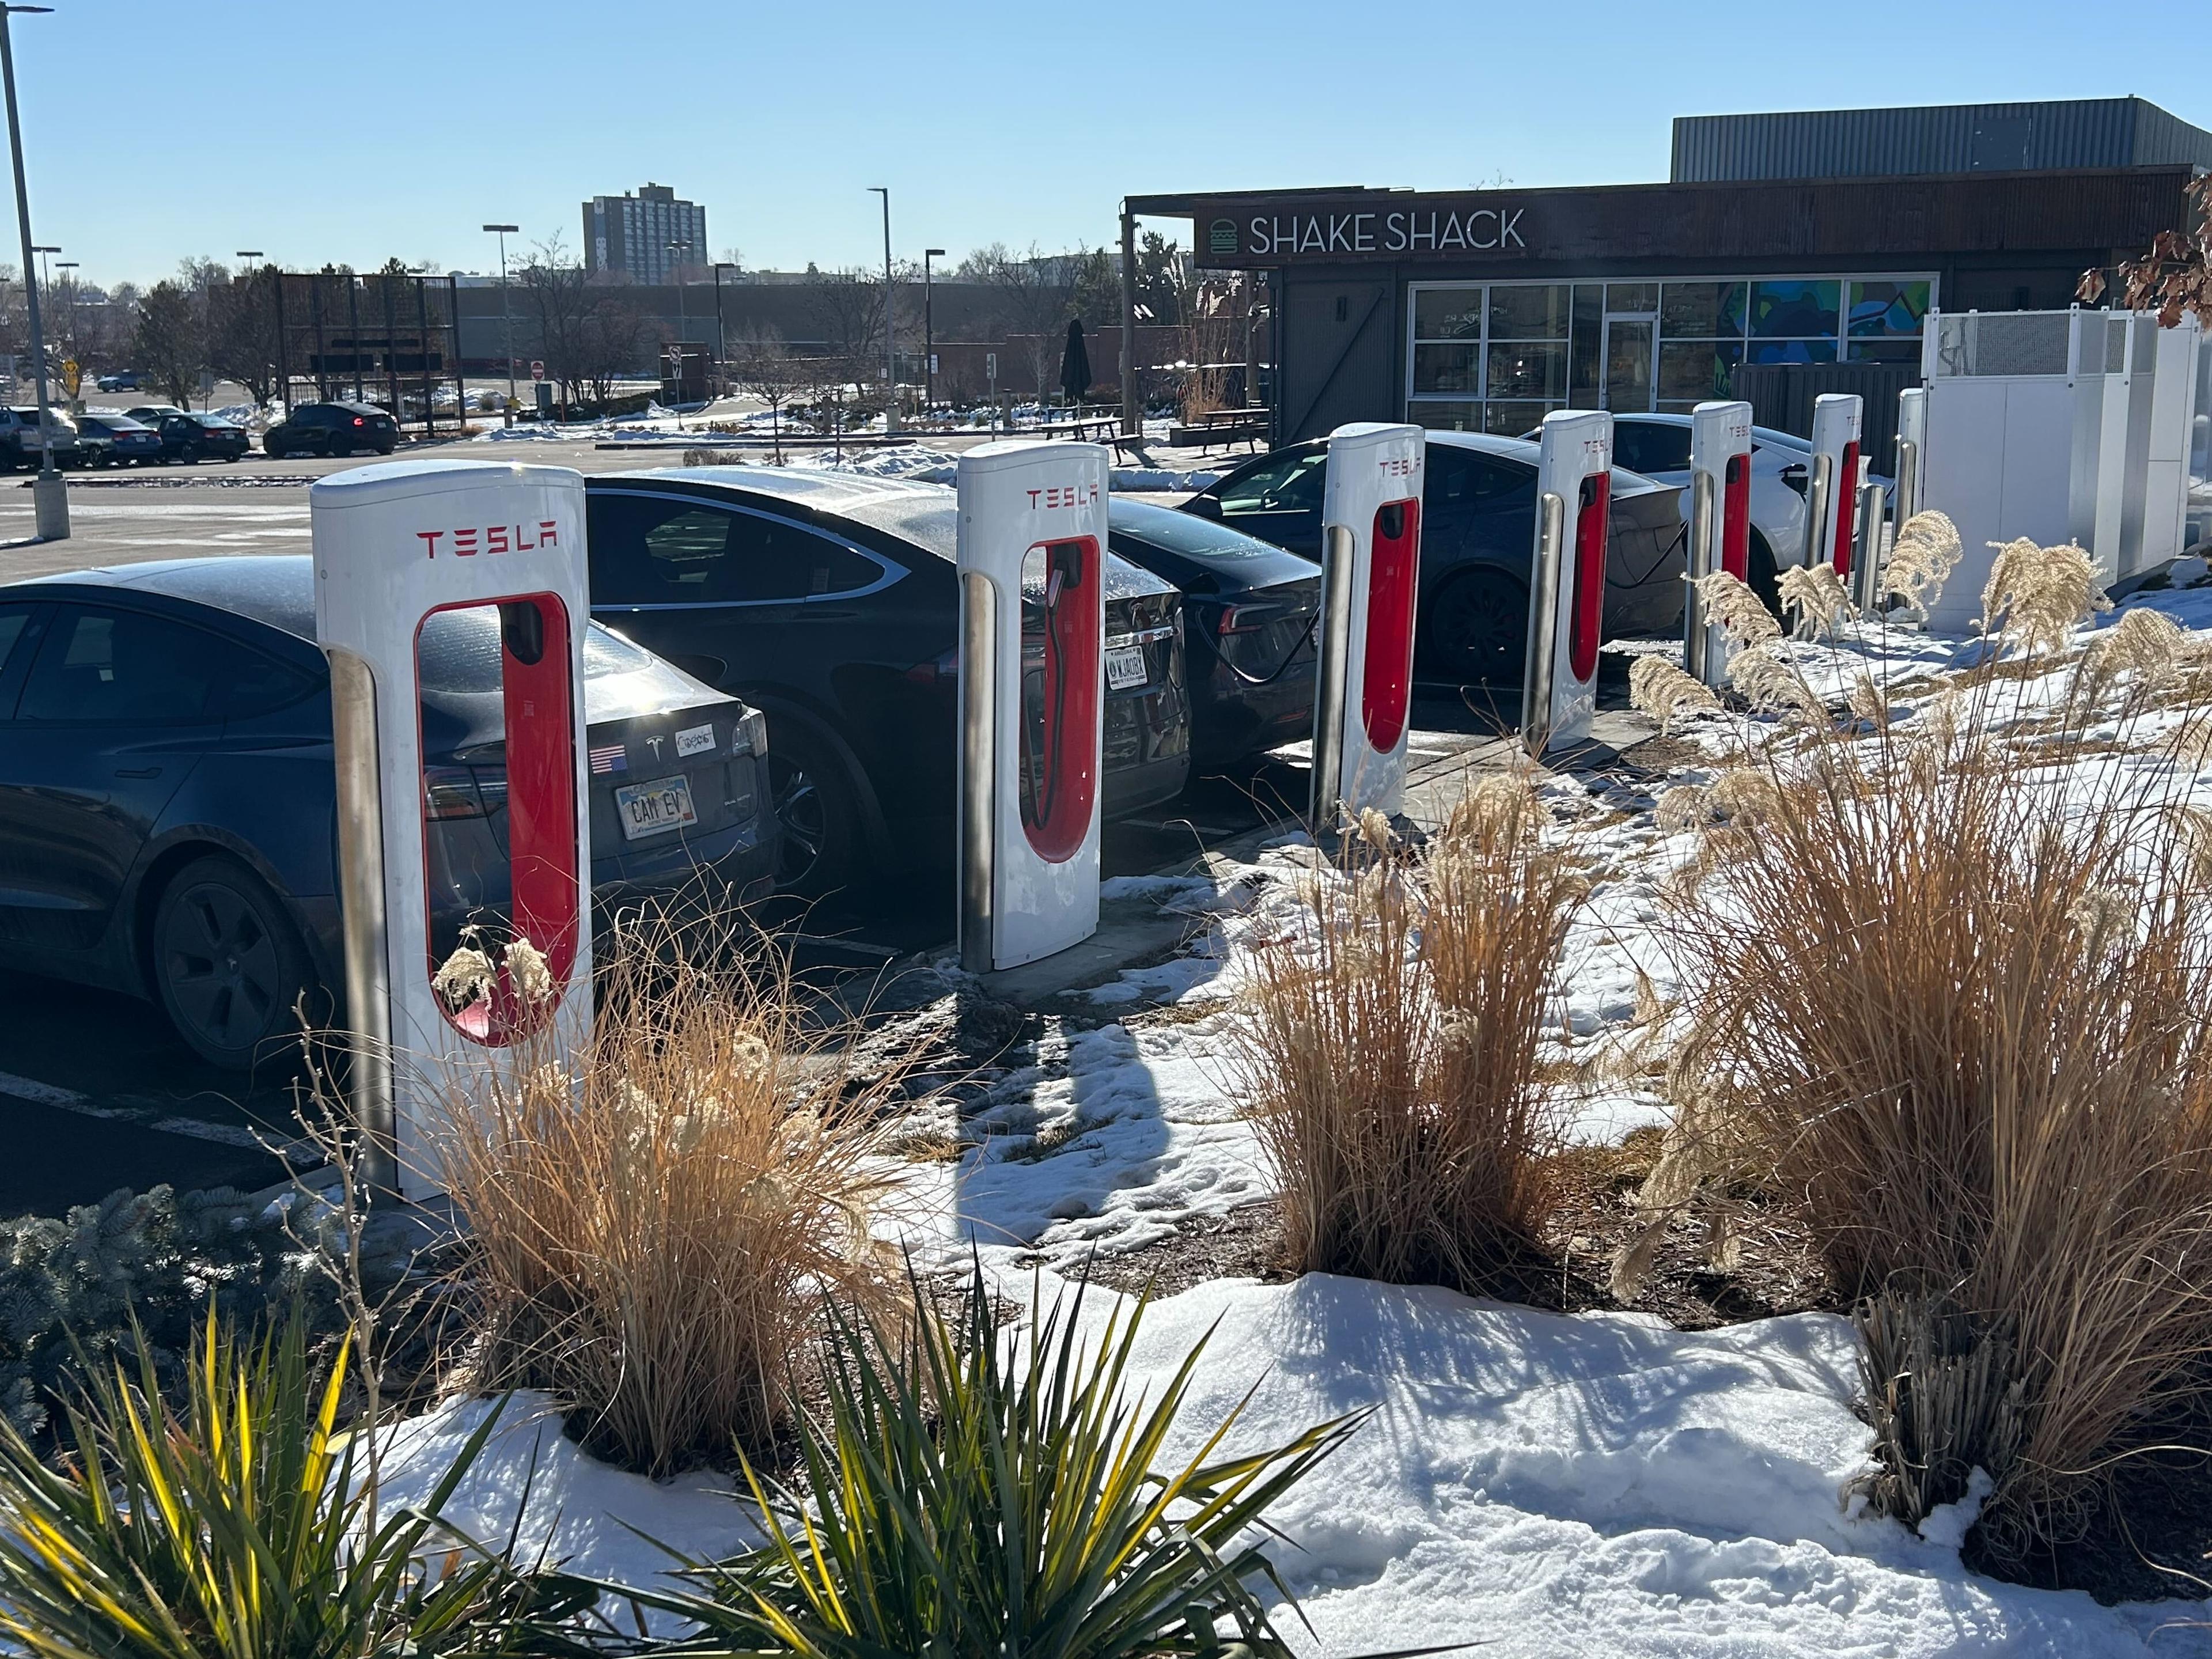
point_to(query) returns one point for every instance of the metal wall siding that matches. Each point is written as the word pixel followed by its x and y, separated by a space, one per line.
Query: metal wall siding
pixel 2089 132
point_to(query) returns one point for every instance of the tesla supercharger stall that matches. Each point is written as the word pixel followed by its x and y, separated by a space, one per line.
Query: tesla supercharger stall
pixel 1032 551
pixel 394 545
pixel 1831 495
pixel 1720 527
pixel 1371 575
pixel 1566 609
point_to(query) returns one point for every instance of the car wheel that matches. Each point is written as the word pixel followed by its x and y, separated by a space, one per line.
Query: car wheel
pixel 228 964
pixel 1476 629
pixel 817 814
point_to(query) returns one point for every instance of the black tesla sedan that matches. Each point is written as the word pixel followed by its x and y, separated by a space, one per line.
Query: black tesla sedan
pixel 1478 526
pixel 167 804
pixel 829 601
pixel 1250 609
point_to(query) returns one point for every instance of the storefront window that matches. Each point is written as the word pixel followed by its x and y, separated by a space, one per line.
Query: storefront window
pixel 1702 311
pixel 1888 309
pixel 1447 368
pixel 1496 357
pixel 1520 368
pixel 1691 371
pixel 1795 310
pixel 1529 311
pixel 1448 314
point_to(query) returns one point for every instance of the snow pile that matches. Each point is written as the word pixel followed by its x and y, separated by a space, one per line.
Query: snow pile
pixel 917 462
pixel 1547 1485
pixel 1136 480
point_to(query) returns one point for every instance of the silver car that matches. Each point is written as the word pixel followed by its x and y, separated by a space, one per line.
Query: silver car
pixel 19 438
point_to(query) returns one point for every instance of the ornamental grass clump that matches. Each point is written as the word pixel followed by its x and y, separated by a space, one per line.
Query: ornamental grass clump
pixel 240 1524
pixel 1389 1048
pixel 654 1221
pixel 1952 998
pixel 971 1492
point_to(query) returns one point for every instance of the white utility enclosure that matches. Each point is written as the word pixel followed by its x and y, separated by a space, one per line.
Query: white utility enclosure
pixel 1720 524
pixel 1566 610
pixel 392 545
pixel 1032 550
pixel 2056 425
pixel 1371 574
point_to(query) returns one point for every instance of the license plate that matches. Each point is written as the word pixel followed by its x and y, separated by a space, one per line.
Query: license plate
pixel 1125 667
pixel 655 808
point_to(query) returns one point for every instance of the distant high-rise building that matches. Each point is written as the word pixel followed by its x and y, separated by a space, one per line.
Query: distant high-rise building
pixel 631 233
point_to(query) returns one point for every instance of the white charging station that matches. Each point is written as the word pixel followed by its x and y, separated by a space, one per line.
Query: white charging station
pixel 1371 575
pixel 1720 526
pixel 393 545
pixel 1032 552
pixel 1832 501
pixel 1566 607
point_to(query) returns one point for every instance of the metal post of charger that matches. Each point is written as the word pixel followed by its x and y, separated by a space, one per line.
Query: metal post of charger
pixel 1704 536
pixel 979 695
pixel 1866 552
pixel 1543 624
pixel 1816 510
pixel 361 903
pixel 1908 480
pixel 1332 670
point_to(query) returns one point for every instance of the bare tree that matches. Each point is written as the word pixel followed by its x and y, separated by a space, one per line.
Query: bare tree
pixel 1033 293
pixel 767 370
pixel 2174 274
pixel 172 339
pixel 242 333
pixel 556 288
pixel 849 306
pixel 613 339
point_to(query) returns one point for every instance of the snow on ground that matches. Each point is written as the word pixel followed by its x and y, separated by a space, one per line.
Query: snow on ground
pixel 1547 1485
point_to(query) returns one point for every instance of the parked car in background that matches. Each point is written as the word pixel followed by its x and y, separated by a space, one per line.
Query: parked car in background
pixel 829 601
pixel 122 381
pixel 19 438
pixel 334 429
pixel 1658 445
pixel 191 438
pixel 167 804
pixel 1250 609
pixel 116 440
pixel 1478 536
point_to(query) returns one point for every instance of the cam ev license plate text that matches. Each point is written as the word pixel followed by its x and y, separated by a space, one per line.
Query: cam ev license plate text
pixel 653 809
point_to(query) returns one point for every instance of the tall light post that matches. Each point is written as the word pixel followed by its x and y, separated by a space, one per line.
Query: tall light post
pixel 721 334
pixel 45 271
pixel 49 494
pixel 890 334
pixel 928 337
pixel 276 295
pixel 675 253
pixel 506 318
pixel 69 344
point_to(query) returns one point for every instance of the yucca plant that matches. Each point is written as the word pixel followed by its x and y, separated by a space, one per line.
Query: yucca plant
pixel 241 1528
pixel 974 1493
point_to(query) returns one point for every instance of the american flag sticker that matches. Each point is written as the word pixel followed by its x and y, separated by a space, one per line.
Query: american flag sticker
pixel 610 758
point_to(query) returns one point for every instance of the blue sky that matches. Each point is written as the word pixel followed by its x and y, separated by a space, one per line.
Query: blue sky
pixel 155 129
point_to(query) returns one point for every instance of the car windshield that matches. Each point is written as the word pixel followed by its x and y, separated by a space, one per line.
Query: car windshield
pixel 1186 532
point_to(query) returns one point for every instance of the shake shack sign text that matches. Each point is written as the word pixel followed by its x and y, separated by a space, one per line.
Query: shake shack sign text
pixel 1408 227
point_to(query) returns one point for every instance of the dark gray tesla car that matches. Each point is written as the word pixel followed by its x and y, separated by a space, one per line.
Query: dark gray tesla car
pixel 167 811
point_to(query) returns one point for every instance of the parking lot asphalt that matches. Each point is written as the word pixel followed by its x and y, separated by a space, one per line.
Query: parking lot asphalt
pixel 96 1091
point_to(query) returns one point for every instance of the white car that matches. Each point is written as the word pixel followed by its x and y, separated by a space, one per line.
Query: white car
pixel 1658 445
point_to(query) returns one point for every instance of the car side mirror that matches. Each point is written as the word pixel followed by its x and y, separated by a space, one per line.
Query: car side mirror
pixel 1207 506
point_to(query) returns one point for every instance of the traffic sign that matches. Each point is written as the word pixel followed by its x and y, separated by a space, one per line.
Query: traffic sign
pixel 537 369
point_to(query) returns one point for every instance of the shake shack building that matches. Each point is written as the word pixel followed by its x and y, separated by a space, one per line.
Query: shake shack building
pixel 1816 239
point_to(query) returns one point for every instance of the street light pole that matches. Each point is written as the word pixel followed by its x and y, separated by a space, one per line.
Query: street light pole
pixel 928 337
pixel 721 333
pixel 675 253
pixel 890 334
pixel 506 317
pixel 49 494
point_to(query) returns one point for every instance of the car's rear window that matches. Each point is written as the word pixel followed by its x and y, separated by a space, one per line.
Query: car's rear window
pixel 934 525
pixel 461 652
pixel 1186 533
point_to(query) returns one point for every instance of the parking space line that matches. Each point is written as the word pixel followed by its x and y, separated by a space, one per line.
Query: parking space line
pixel 192 1128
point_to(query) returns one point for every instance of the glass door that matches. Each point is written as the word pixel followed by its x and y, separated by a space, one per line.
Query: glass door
pixel 1629 340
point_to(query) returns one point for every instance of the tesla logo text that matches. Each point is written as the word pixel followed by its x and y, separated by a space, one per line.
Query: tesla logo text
pixel 492 538
pixel 1063 495
pixel 1397 467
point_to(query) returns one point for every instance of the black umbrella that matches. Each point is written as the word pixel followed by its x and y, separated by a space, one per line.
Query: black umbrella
pixel 1075 363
